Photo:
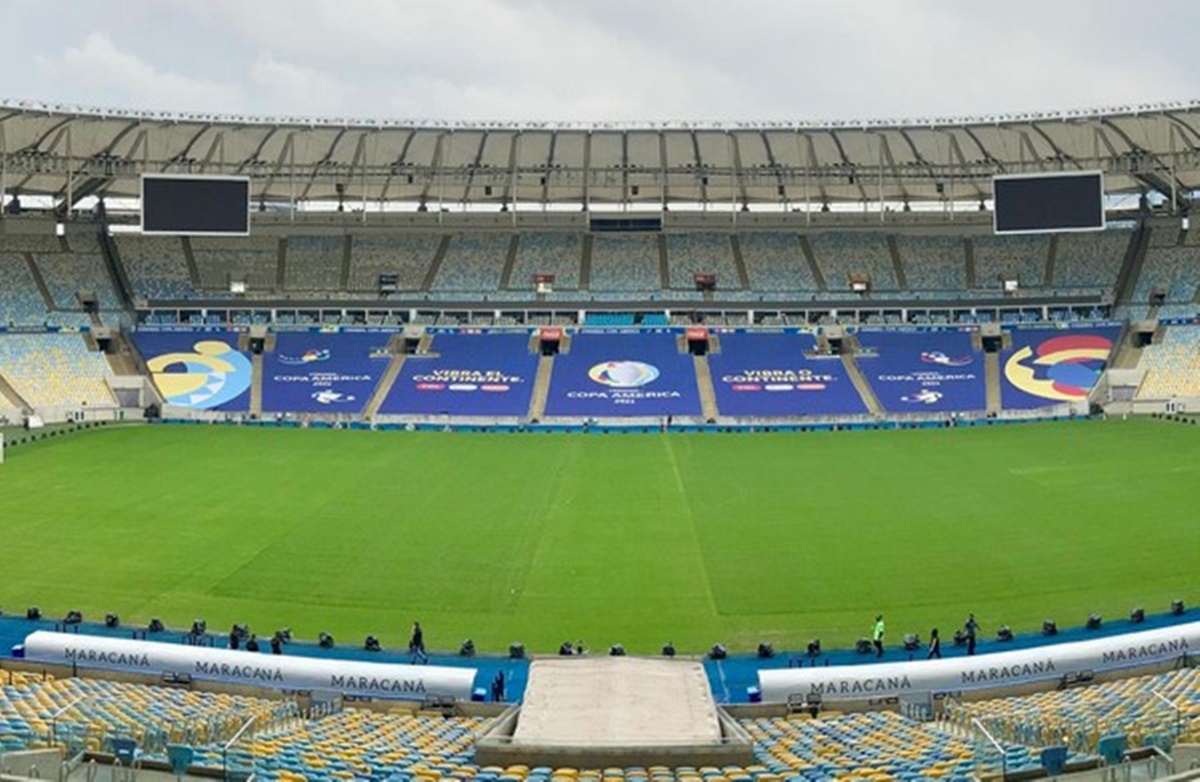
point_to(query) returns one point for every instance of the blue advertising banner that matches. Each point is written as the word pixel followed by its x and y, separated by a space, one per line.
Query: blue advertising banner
pixel 769 375
pixel 923 371
pixel 476 374
pixel 323 373
pixel 609 374
pixel 198 370
pixel 1052 366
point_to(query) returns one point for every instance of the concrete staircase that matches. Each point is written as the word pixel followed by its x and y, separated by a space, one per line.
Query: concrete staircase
pixel 190 258
pixel 969 255
pixel 41 282
pixel 739 262
pixel 385 385
pixel 708 397
pixel 436 264
pixel 541 388
pixel 991 373
pixel 256 384
pixel 344 272
pixel 811 260
pixel 897 263
pixel 664 266
pixel 1051 256
pixel 1131 267
pixel 510 260
pixel 10 395
pixel 585 264
pixel 861 385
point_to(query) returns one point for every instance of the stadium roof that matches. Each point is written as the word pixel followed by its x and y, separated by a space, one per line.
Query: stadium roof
pixel 71 153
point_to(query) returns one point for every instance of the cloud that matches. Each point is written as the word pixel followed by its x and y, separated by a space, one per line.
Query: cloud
pixel 615 60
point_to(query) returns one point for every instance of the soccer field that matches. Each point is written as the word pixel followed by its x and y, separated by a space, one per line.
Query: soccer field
pixel 637 539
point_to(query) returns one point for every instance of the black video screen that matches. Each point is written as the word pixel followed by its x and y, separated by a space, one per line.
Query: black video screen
pixel 1058 202
pixel 195 205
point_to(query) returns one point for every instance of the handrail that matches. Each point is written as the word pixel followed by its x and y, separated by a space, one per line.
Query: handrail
pixel 992 739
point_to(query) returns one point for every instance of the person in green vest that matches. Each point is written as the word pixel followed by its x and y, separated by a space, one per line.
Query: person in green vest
pixel 877 635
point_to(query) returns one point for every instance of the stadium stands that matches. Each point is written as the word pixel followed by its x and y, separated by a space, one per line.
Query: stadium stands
pixel 55 370
pixel 933 263
pixel 156 267
pixel 998 258
pixel 769 375
pixel 625 263
pixel 253 260
pixel 701 253
pixel 1090 260
pixel 314 263
pixel 1173 271
pixel 1172 365
pixel 842 254
pixel 775 262
pixel 67 274
pixel 923 371
pixel 407 257
pixel 466 374
pixel 21 303
pixel 1147 710
pixel 617 374
pixel 559 254
pixel 1052 366
pixel 473 263
pixel 323 373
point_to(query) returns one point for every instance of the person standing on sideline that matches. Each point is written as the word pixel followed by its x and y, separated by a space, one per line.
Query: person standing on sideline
pixel 877 635
pixel 416 643
pixel 935 645
pixel 972 628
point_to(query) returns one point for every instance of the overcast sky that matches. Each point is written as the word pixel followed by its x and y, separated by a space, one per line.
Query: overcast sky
pixel 600 60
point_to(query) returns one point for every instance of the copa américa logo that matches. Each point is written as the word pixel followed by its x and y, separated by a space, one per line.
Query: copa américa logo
pixel 1063 369
pixel 923 397
pixel 211 375
pixel 623 374
pixel 310 356
pixel 941 359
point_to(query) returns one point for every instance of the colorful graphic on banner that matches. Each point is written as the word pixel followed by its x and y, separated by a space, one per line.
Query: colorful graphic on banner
pixel 923 371
pixel 769 375
pixel 1050 366
pixel 314 372
pixel 623 374
pixel 467 374
pixel 201 371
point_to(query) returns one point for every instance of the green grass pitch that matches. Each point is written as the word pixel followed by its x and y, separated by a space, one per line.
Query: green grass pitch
pixel 637 539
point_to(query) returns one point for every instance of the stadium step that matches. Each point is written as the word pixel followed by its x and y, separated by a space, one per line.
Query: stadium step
pixel 256 385
pixel 897 264
pixel 541 388
pixel 510 260
pixel 40 281
pixel 10 395
pixel 585 264
pixel 436 264
pixel 991 370
pixel 281 263
pixel 708 397
pixel 861 385
pixel 664 264
pixel 811 260
pixel 385 385
pixel 1131 267
pixel 739 262
pixel 190 258
pixel 1051 255
pixel 344 272
pixel 969 254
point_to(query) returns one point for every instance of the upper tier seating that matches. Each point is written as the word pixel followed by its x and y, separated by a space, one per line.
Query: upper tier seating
pixel 775 262
pixel 66 274
pixel 1090 260
pixel 1172 366
pixel 933 263
pixel 559 254
pixel 407 257
pixel 55 370
pixel 998 258
pixel 625 263
pixel 473 263
pixel 701 253
pixel 1078 718
pixel 841 254
pixel 314 263
pixel 254 260
pixel 21 303
pixel 1173 270
pixel 156 267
